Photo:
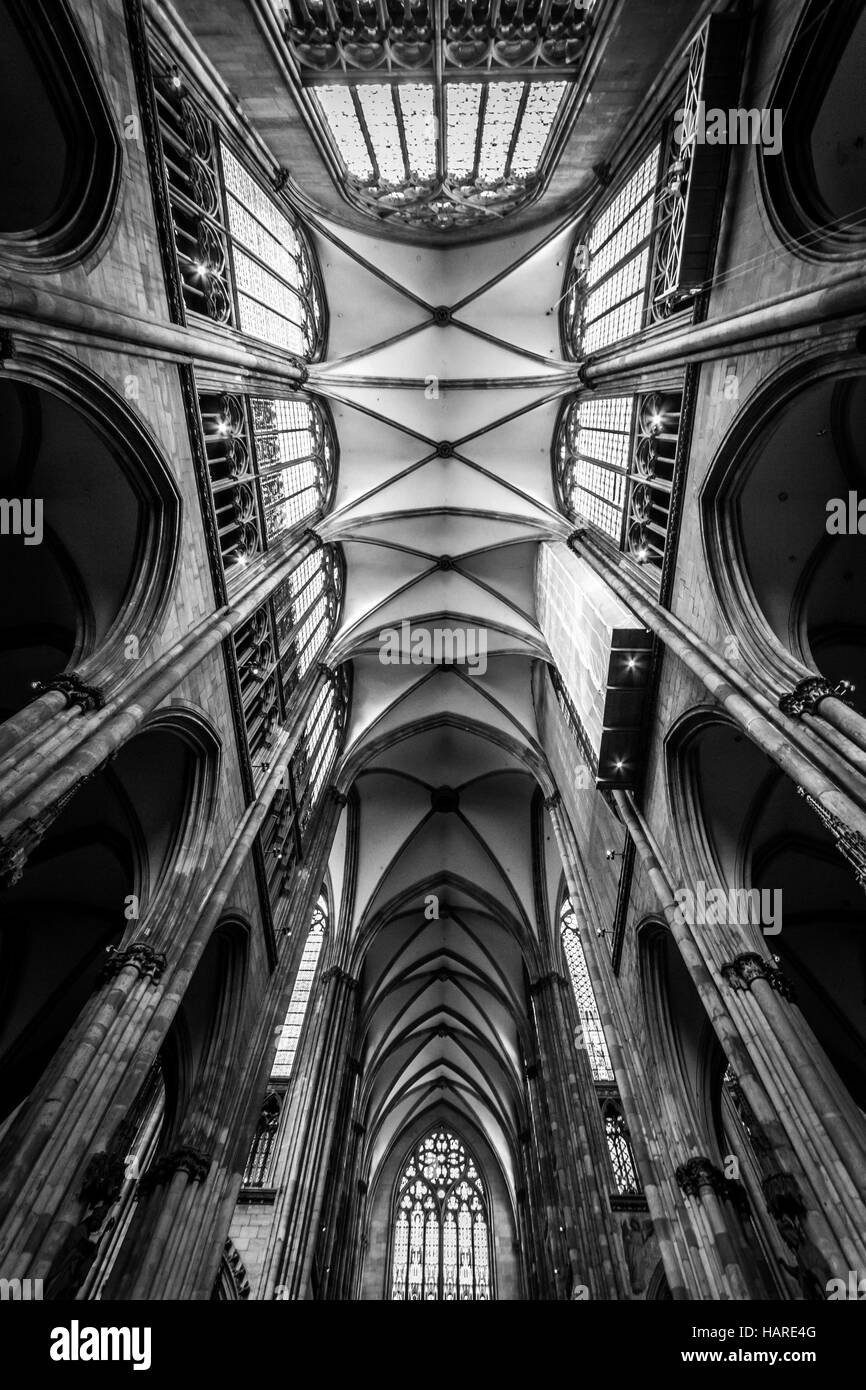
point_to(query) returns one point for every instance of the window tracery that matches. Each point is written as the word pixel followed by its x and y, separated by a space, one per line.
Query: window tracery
pixel 441 1229
pixel 287 1045
pixel 442 112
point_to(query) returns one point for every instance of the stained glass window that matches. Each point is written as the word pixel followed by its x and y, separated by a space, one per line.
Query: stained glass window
pixel 625 1174
pixel 272 271
pixel 485 154
pixel 593 1033
pixel 441 1231
pixel 258 1162
pixel 294 1022
pixel 614 463
pixel 608 292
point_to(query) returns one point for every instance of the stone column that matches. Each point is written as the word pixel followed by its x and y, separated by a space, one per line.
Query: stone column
pixel 69 1121
pixel 793 1092
pixel 578 1143
pixel 301 1164
pixel 679 1227
pixel 834 783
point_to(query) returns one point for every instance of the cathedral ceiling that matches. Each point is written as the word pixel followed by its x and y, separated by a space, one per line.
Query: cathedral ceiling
pixel 445 758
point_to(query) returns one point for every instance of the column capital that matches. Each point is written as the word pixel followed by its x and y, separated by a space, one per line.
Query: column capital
pixel 140 955
pixel 73 689
pixel 742 972
pixel 194 1162
pixel 808 694
pixel 336 972
pixel 552 802
pixel 700 1174
pixel 544 982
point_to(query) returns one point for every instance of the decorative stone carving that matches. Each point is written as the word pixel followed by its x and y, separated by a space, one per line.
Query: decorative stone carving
pixel 808 694
pixel 850 843
pixel 700 1173
pixel 743 970
pixel 74 690
pixel 143 957
pixel 185 1159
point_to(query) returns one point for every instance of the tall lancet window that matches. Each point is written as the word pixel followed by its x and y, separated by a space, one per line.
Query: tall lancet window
pixel 291 1034
pixel 441 1231
pixel 596 1046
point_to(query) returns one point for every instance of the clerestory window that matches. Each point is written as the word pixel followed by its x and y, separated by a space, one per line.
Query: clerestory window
pixel 441 113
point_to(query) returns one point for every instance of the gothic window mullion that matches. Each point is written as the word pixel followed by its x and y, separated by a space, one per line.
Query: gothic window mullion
pixel 479 138
pixel 401 132
pixel 515 134
pixel 362 122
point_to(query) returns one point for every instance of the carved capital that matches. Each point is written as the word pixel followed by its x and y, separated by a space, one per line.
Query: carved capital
pixel 808 694
pixel 74 690
pixel 340 976
pixel 544 982
pixel 743 971
pixel 140 955
pixel 186 1159
pixel 784 1198
pixel 311 535
pixel 552 803
pixel 339 798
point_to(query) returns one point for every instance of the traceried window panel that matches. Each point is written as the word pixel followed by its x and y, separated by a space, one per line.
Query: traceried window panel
pixel 301 990
pixel 593 1033
pixel 614 461
pixel 243 257
pixel 279 642
pixel 272 464
pixel 625 1174
pixel 607 294
pixel 278 296
pixel 291 816
pixel 483 159
pixel 257 1170
pixel 441 1246
pixel 458 117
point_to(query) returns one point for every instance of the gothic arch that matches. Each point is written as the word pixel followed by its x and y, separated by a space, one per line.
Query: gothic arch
pixel 126 846
pixel 54 116
pixel 106 564
pixel 688 1059
pixel 789 590
pixel 383 1183
pixel 815 188
pixel 744 826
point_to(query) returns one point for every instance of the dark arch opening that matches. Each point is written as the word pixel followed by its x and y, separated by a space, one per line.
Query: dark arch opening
pixel 91 520
pixel 816 187
pixel 780 573
pixel 54 122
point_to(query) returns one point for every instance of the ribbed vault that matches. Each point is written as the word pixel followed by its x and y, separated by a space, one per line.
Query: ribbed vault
pixel 445 489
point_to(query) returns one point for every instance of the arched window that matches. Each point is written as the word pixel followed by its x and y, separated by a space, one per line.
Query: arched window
pixel 607 293
pixel 278 644
pixel 614 463
pixel 647 248
pixel 242 255
pixel 441 1228
pixel 61 165
pixel 272 463
pixel 301 990
pixel 593 1033
pixel 457 116
pixel 622 1161
pixel 258 1162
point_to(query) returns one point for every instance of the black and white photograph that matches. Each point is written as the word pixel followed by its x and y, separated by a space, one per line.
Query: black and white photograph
pixel 432 677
